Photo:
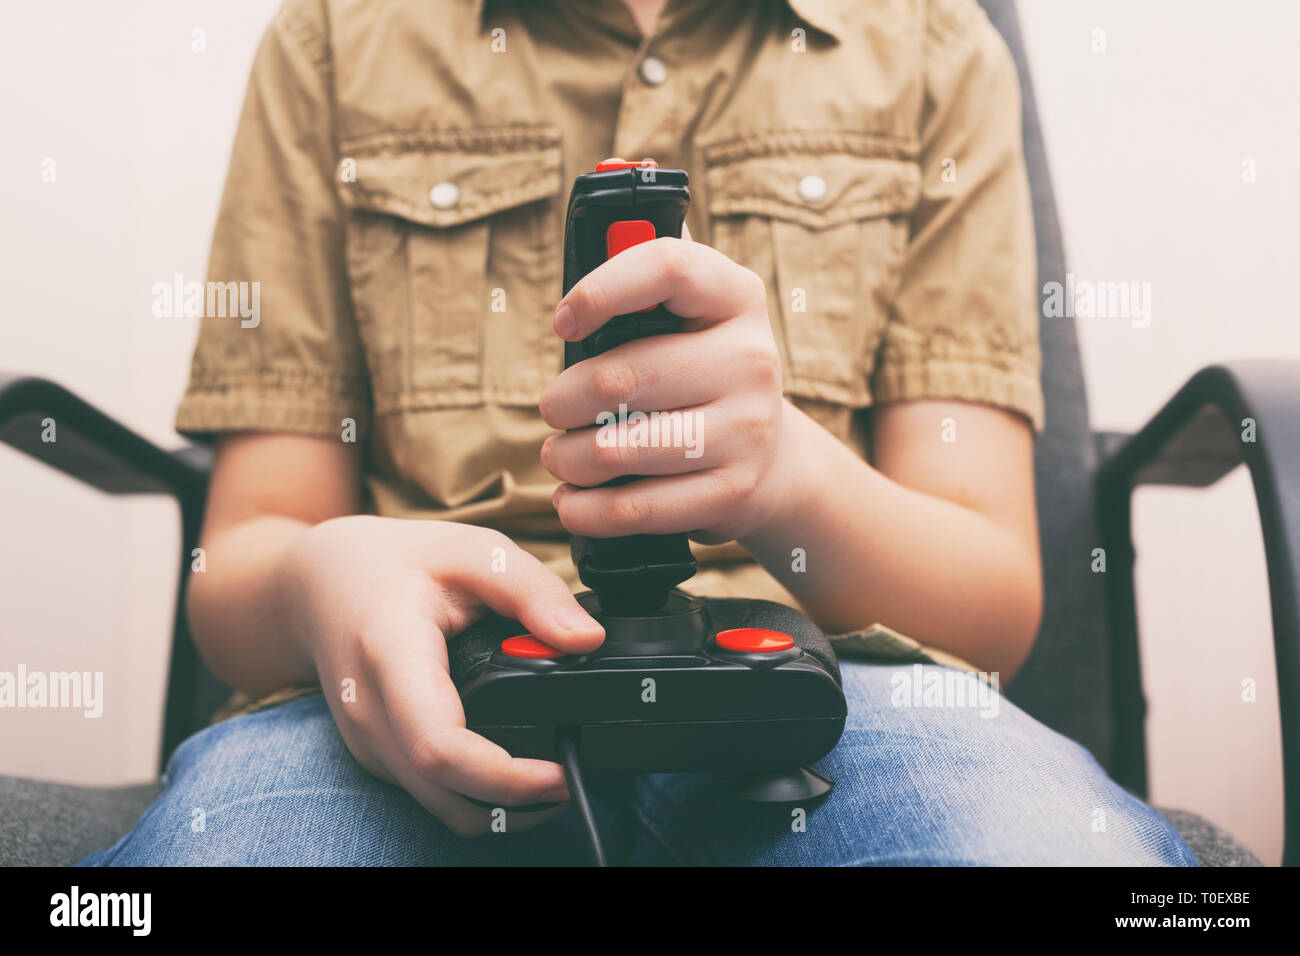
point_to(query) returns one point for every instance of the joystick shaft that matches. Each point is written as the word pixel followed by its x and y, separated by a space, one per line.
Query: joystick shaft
pixel 618 206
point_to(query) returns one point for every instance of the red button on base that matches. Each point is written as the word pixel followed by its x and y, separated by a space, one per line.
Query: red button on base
pixel 527 646
pixel 754 640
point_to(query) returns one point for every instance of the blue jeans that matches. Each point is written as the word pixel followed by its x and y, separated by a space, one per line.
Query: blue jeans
pixel 914 785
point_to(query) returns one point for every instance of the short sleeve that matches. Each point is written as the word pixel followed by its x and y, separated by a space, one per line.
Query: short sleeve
pixel 288 357
pixel 964 323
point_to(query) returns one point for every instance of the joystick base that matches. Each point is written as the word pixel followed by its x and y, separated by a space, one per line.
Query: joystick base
pixel 798 786
pixel 682 625
pixel 702 685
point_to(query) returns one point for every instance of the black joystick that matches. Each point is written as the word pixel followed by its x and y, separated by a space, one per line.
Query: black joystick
pixel 618 206
pixel 680 683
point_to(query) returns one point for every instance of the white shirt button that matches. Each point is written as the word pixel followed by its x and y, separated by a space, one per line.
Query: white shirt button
pixel 812 188
pixel 653 71
pixel 445 195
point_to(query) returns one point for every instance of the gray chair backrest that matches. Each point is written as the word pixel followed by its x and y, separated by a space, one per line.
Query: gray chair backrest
pixel 1065 682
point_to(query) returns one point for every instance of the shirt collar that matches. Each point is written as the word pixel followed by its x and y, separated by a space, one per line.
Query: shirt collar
pixel 822 14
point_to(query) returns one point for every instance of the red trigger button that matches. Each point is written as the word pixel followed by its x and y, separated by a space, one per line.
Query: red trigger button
pixel 626 234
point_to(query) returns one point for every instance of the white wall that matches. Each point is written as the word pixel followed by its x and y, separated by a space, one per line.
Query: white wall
pixel 1146 142
pixel 139 126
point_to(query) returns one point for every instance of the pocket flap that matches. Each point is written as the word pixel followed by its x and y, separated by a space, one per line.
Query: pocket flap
pixel 450 177
pixel 816 179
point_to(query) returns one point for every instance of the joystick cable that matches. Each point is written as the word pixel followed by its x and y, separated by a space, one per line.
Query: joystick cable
pixel 573 776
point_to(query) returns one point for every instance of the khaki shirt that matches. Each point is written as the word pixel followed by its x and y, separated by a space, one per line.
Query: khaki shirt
pixel 398 189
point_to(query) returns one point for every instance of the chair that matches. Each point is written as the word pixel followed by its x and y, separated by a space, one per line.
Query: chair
pixel 1084 675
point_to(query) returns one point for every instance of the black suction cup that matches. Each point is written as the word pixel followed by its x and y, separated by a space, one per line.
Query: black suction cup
pixel 797 786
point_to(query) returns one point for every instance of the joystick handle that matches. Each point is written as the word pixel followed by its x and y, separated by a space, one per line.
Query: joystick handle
pixel 620 205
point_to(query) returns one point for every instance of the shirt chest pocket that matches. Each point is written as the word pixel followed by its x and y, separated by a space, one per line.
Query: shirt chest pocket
pixel 454 263
pixel 824 222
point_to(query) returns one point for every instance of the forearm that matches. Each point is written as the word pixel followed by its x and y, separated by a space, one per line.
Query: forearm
pixel 237 607
pixel 876 551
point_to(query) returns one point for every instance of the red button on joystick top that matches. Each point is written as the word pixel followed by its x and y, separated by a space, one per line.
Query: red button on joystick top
pixel 529 647
pixel 754 640
pixel 606 165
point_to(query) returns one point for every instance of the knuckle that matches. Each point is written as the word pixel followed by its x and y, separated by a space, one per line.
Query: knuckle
pixel 614 381
pixel 732 485
pixel 427 758
pixel 370 645
pixel 675 259
pixel 588 298
pixel 628 510
pixel 753 426
pixel 762 361
pixel 727 484
pixel 612 459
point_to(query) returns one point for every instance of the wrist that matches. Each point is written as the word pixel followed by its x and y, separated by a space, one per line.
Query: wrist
pixel 292 586
pixel 791 479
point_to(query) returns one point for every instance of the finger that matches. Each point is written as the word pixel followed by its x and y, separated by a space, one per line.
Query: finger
pixel 659 505
pixel 372 745
pixel 426 717
pixel 665 371
pixel 690 279
pixel 386 761
pixel 661 443
pixel 375 747
pixel 521 587
pixel 361 751
pixel 462 816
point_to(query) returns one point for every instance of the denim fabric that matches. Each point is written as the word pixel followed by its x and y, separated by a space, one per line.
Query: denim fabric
pixel 914 786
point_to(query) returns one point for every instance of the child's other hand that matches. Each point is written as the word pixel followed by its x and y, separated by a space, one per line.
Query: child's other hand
pixel 373 601
pixel 723 375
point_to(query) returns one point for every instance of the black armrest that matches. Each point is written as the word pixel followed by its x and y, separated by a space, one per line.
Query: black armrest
pixel 93 447
pixel 107 455
pixel 1201 434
